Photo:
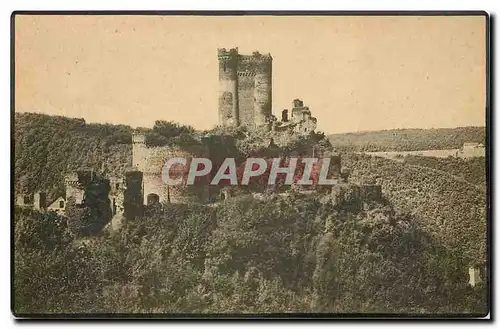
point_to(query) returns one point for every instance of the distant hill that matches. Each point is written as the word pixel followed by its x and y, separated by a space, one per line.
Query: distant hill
pixel 46 147
pixel 449 207
pixel 408 139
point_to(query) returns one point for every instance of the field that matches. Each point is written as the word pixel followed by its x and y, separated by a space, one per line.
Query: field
pixel 457 153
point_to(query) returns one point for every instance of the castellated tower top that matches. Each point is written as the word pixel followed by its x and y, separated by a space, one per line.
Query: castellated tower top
pixel 222 52
pixel 138 138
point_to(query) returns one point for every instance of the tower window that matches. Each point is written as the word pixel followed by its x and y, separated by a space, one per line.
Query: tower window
pixel 61 204
pixel 224 67
pixel 117 186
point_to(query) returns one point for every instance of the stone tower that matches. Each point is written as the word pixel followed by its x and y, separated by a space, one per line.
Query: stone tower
pixel 149 162
pixel 245 88
pixel 139 151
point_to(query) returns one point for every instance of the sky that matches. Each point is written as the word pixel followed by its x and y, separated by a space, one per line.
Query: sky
pixel 355 73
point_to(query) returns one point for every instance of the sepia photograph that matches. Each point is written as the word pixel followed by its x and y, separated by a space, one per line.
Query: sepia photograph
pixel 250 164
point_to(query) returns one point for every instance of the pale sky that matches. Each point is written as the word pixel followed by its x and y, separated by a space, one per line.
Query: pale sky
pixel 354 73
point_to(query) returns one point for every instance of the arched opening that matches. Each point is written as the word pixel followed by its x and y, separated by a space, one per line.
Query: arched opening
pixel 152 198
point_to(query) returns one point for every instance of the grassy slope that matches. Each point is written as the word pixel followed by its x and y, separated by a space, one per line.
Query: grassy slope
pixel 408 139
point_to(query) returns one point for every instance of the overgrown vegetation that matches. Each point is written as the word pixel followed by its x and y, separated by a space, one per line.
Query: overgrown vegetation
pixel 472 169
pixel 280 255
pixel 48 147
pixel 452 210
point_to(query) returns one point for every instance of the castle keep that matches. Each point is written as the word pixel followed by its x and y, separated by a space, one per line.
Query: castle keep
pixel 245 95
pixel 245 88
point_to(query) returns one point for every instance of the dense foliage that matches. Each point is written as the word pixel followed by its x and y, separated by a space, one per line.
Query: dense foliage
pixel 48 147
pixel 451 209
pixel 472 169
pixel 408 139
pixel 171 133
pixel 300 254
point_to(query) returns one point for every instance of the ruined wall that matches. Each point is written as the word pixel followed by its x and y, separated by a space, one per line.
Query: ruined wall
pixel 116 194
pixel 306 126
pixel 133 194
pixel 150 161
pixel 73 188
pixel 24 200
pixel 40 200
pixel 304 122
pixel 139 151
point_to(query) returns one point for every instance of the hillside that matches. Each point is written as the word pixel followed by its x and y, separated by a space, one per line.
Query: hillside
pixel 46 147
pixel 296 254
pixel 453 210
pixel 473 170
pixel 408 139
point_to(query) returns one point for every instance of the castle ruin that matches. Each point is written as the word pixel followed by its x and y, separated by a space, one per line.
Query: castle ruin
pixel 300 121
pixel 245 95
pixel 245 99
pixel 150 161
pixel 245 88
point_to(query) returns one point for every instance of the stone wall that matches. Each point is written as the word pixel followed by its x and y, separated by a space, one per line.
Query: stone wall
pixel 150 161
pixel 73 188
pixel 246 99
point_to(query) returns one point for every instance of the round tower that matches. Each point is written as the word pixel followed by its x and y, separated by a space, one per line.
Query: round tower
pixel 228 87
pixel 154 187
pixel 263 90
